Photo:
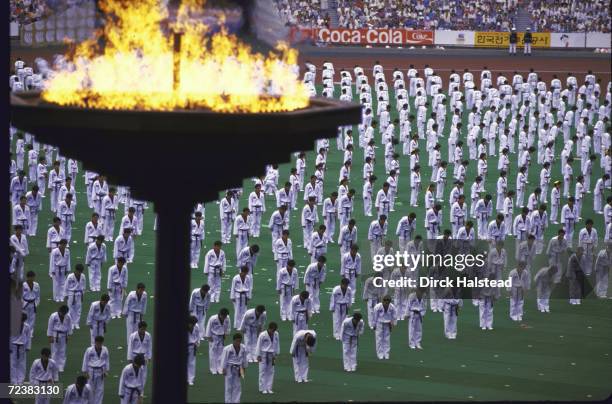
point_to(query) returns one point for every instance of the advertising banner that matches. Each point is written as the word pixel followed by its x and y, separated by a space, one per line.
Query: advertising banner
pixel 455 38
pixel 567 40
pixel 347 36
pixel 598 40
pixel 501 39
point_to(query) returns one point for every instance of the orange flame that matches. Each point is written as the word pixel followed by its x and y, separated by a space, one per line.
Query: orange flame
pixel 135 69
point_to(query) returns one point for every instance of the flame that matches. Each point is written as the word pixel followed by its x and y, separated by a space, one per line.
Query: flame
pixel 136 68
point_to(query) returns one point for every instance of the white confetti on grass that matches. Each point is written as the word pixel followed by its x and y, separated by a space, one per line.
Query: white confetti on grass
pixel 540 374
pixel 573 363
pixel 506 385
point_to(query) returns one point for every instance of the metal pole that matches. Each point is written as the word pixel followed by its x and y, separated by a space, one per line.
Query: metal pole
pixel 172 278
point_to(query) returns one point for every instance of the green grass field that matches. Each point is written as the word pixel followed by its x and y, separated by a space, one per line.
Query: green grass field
pixel 564 355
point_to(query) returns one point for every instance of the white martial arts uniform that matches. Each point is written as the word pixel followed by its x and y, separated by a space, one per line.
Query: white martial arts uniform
pixel 74 290
pixel 30 299
pixel 97 318
pixel 116 284
pixel 198 307
pixel 405 229
pixel 318 245
pixel 43 375
pixel 241 232
pixel 131 384
pixel 299 351
pixel 314 276
pixel 227 210
pixel 286 284
pixel 197 235
pixel 59 329
pixel 349 334
pixel 544 283
pixel 451 309
pixel 384 320
pixel 34 203
pixel 73 396
pixel 96 364
pixel 347 238
pixel 216 332
pixel 309 218
pixel 240 295
pixel 193 342
pixel 124 247
pixel 268 347
pixel 301 312
pixel 214 267
pixel 143 346
pixel 283 252
pixel 59 265
pixel 251 325
pixel 556 247
pixel 96 256
pixel 19 344
pixel 92 231
pixel 134 309
pixel 416 309
pixel 330 216
pixel 257 206
pixel 21 251
pixel 233 364
pixel 520 284
pixel 376 234
pixel 109 211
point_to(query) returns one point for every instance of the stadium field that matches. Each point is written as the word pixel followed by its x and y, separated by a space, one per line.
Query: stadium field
pixel 563 355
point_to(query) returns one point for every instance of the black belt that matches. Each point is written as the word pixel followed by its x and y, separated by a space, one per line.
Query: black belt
pixel 195 348
pixel 29 302
pixel 18 347
pixel 57 334
pixel 245 295
pixel 268 354
pixel 97 369
pixel 134 313
pixel 418 312
pixel 79 292
pixel 132 390
pixel 103 325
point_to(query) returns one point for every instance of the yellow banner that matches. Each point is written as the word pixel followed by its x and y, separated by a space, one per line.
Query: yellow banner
pixel 501 39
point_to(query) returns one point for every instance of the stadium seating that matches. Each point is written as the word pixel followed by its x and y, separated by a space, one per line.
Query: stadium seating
pixel 476 15
pixel 570 16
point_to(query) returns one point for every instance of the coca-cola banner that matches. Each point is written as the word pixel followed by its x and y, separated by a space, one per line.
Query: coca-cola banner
pixel 347 36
